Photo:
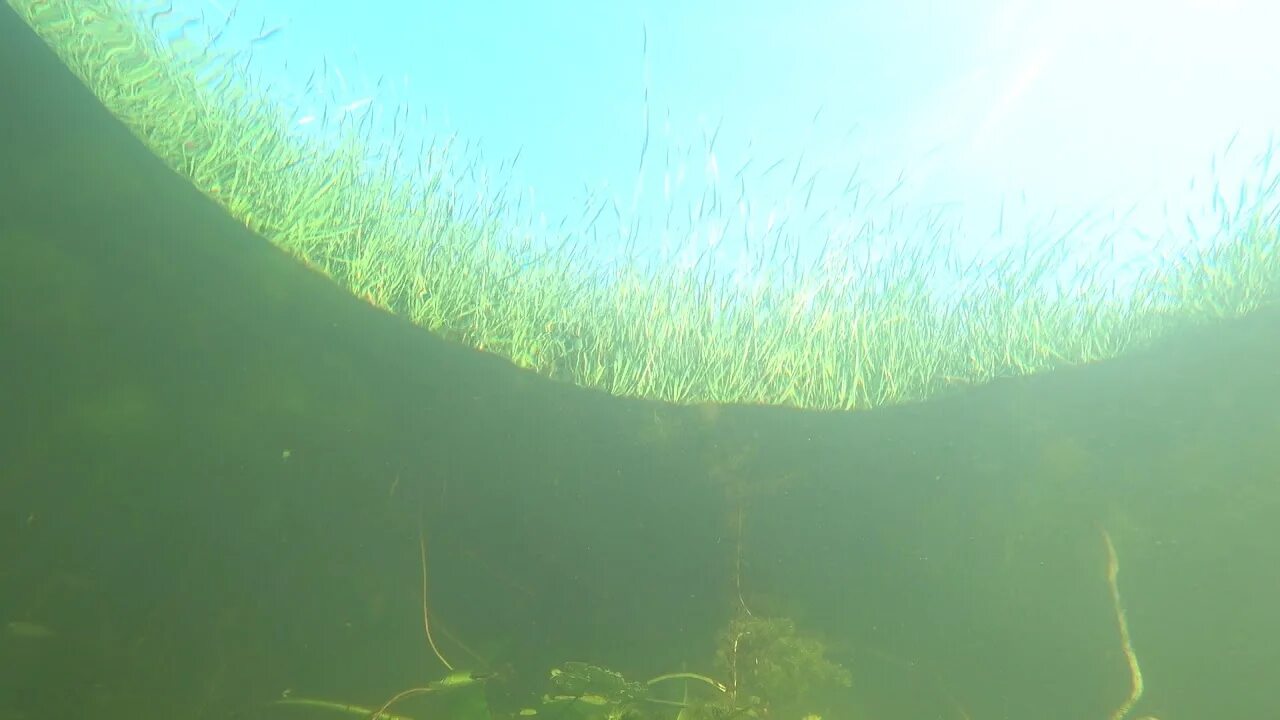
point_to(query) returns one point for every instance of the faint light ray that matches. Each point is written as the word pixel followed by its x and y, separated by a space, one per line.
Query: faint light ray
pixel 1007 103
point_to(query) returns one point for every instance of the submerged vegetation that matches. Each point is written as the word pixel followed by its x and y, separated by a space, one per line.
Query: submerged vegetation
pixel 764 667
pixel 856 327
pixel 770 669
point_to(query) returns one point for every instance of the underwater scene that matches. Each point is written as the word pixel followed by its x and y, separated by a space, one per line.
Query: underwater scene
pixel 311 415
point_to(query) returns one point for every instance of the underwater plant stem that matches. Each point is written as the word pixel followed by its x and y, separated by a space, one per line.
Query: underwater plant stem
pixel 689 676
pixel 426 616
pixel 1126 643
pixel 737 568
pixel 733 670
pixel 381 712
pixel 341 707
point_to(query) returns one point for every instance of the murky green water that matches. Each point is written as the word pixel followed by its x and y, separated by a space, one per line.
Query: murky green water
pixel 215 468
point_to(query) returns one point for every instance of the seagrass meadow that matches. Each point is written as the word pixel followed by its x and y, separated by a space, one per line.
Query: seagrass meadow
pixel 839 331
pixel 232 486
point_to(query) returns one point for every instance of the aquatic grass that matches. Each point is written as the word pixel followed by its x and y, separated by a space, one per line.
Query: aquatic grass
pixel 420 232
